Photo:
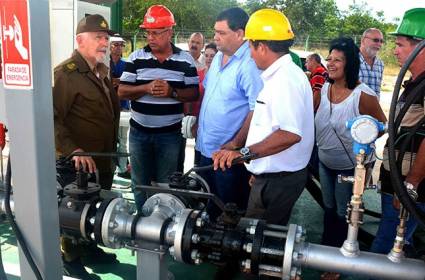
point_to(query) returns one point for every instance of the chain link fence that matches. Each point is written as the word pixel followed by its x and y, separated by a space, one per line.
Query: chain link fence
pixel 307 43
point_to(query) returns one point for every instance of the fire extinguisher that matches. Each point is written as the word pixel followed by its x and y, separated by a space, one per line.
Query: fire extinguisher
pixel 3 131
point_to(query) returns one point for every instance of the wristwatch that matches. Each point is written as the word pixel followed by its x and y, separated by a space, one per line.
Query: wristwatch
pixel 245 151
pixel 411 190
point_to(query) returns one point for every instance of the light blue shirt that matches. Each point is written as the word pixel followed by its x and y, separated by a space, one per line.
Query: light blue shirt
pixel 230 93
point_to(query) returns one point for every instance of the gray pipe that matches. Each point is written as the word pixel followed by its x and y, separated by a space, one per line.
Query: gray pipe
pixel 366 264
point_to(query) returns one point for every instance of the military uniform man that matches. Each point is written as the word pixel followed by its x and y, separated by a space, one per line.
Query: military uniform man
pixel 86 118
pixel 86 107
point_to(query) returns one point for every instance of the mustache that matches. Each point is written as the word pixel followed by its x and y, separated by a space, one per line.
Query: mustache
pixel 194 48
pixel 102 49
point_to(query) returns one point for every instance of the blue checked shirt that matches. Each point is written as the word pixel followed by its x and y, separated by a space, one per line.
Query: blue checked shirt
pixel 372 76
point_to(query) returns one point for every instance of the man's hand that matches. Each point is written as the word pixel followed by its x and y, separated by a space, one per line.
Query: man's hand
pixel 161 88
pixel 231 145
pixel 224 158
pixel 87 163
pixel 115 82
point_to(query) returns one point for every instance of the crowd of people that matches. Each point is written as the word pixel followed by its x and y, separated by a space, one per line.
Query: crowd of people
pixel 250 98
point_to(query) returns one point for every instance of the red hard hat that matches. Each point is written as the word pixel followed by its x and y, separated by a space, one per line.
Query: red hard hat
pixel 158 16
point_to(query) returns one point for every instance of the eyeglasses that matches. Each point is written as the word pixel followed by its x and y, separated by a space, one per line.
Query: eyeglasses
pixel 376 40
pixel 154 34
pixel 118 45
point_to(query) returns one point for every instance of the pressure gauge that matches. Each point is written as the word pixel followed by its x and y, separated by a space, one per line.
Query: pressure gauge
pixel 364 130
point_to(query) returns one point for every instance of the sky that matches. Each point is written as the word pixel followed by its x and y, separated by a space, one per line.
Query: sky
pixel 392 8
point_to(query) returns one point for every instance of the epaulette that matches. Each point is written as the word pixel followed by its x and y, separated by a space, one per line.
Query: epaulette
pixel 69 67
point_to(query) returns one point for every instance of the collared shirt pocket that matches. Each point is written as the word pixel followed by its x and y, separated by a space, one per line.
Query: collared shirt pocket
pixel 261 115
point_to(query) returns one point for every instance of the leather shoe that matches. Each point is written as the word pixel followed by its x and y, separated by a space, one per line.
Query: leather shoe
pixel 76 269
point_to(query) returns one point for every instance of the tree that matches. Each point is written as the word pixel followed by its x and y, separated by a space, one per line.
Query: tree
pixel 195 15
pixel 307 17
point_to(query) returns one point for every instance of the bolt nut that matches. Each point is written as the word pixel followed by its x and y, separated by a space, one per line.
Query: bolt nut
pixel 251 230
pixel 197 261
pixel 92 220
pixel 196 238
pixel 69 204
pixel 92 236
pixel 98 205
pixel 172 251
pixel 248 247
pixel 111 225
pixel 200 222
pixel 205 216
pixel 246 265
pixel 298 237
pixel 194 254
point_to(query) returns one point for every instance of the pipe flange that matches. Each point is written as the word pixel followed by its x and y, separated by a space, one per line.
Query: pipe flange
pixel 83 220
pixel 289 248
pixel 116 223
pixel 179 225
pixel 169 203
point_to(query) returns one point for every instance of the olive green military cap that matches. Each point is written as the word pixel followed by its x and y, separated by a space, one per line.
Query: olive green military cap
pixel 93 23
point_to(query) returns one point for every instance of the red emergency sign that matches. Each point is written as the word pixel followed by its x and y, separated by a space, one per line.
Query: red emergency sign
pixel 15 43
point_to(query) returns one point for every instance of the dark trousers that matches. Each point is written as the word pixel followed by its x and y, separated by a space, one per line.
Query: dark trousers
pixel 106 179
pixel 231 185
pixel 273 195
pixel 182 156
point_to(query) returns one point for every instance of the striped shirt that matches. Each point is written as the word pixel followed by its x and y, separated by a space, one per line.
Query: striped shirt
pixel 371 76
pixel 143 67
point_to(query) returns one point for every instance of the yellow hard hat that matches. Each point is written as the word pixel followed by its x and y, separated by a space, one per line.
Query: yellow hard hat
pixel 268 25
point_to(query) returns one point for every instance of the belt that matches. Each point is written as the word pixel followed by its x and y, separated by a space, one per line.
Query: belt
pixel 162 129
pixel 276 174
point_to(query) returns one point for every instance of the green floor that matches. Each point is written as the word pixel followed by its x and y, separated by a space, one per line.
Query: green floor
pixel 306 213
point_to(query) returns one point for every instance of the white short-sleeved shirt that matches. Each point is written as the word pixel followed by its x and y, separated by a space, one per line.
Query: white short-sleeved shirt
pixel 285 103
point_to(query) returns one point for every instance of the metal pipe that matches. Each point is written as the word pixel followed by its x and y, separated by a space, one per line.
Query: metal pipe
pixel 366 264
pixel 270 270
pixel 277 227
pixel 273 252
pixel 276 234
pixel 396 252
pixel 355 213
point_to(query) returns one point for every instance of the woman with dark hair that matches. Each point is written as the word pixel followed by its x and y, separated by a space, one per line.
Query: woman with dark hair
pixel 342 98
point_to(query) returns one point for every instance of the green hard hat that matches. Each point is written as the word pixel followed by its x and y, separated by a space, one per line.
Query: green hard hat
pixel 412 24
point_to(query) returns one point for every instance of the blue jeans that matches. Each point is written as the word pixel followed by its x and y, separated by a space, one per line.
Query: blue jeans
pixel 154 157
pixel 231 185
pixel 386 233
pixel 335 195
